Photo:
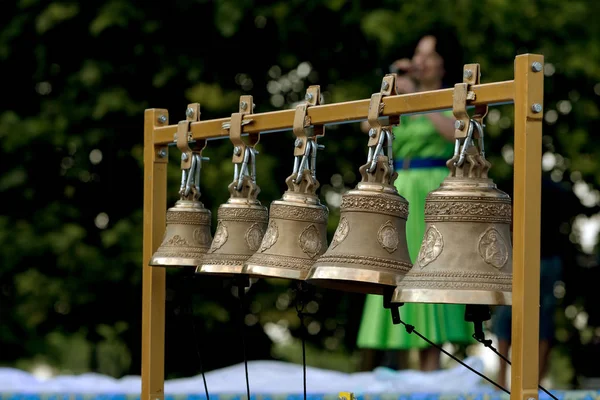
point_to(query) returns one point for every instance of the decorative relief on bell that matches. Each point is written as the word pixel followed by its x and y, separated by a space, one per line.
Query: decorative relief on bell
pixel 242 214
pixel 201 236
pixel 396 207
pixel 176 241
pixel 220 238
pixel 388 237
pixel 271 236
pixel 295 213
pixel 188 218
pixel 431 247
pixel 310 241
pixel 254 236
pixel 467 208
pixel 340 233
pixel 492 248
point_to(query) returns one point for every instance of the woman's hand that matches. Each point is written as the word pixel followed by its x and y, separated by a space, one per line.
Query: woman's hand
pixel 405 85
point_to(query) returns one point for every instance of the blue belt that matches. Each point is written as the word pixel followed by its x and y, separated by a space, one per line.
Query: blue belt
pixel 411 163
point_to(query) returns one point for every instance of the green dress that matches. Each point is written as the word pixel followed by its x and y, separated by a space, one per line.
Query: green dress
pixel 415 137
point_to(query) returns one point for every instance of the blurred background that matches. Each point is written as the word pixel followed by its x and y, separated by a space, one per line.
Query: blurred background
pixel 79 76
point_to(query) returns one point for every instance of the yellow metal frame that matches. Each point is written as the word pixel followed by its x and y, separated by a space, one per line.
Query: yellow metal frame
pixel 525 90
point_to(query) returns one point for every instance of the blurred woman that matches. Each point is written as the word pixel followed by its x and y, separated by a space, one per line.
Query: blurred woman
pixel 423 143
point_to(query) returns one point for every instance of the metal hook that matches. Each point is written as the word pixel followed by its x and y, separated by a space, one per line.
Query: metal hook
pixel 376 152
pixel 479 127
pixel 468 140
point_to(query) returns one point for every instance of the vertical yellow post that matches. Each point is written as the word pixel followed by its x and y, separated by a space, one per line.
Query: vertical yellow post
pixel 529 89
pixel 154 278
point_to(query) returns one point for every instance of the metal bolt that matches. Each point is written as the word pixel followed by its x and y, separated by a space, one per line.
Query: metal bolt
pixel 189 112
pixel 308 96
pixel 253 107
pixel 162 153
pixel 459 124
pixel 162 119
pixel 237 150
pixel 372 132
pixel 385 85
pixel 184 156
pixel 243 105
pixel 536 66
pixel 536 108
pixel 298 143
pixel 531 398
pixel 468 74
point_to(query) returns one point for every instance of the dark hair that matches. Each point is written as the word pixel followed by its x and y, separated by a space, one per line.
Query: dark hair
pixel 449 48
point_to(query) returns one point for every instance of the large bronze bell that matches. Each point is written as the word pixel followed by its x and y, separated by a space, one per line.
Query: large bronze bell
pixel 466 253
pixel 297 231
pixel 242 222
pixel 368 252
pixel 187 235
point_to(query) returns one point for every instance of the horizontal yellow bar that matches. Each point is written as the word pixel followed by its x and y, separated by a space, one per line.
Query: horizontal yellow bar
pixel 489 93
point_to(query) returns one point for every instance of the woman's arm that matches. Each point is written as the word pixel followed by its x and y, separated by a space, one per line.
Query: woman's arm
pixel 444 125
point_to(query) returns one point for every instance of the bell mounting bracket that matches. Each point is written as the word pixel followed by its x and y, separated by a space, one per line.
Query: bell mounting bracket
pixel 376 107
pixel 246 107
pixel 461 97
pixel 302 121
pixel 183 136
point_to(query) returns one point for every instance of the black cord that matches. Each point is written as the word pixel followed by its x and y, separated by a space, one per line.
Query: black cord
pixel 300 302
pixel 488 343
pixel 241 292
pixel 190 308
pixel 411 329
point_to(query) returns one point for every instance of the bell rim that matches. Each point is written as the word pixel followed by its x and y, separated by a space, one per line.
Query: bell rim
pixel 166 261
pixel 356 278
pixel 455 296
pixel 220 269
pixel 262 271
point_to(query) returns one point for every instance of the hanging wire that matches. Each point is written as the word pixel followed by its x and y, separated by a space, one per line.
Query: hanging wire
pixel 189 309
pixel 241 293
pixel 488 343
pixel 411 329
pixel 300 303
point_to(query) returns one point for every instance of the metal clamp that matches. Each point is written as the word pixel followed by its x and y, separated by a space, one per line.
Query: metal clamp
pixel 191 156
pixel 243 154
pixel 246 107
pixel 302 125
pixel 461 96
pixel 379 134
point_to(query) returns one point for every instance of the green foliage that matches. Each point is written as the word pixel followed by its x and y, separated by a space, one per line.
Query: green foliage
pixel 79 79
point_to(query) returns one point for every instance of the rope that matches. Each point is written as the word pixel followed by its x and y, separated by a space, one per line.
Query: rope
pixel 241 293
pixel 299 304
pixel 189 309
pixel 411 329
pixel 488 343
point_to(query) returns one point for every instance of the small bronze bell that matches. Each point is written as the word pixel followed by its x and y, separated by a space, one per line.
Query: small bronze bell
pixel 187 236
pixel 297 230
pixel 242 222
pixel 466 254
pixel 368 253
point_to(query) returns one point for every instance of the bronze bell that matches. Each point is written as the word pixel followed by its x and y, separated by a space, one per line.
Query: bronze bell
pixel 466 253
pixel 242 222
pixel 368 252
pixel 297 231
pixel 187 235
